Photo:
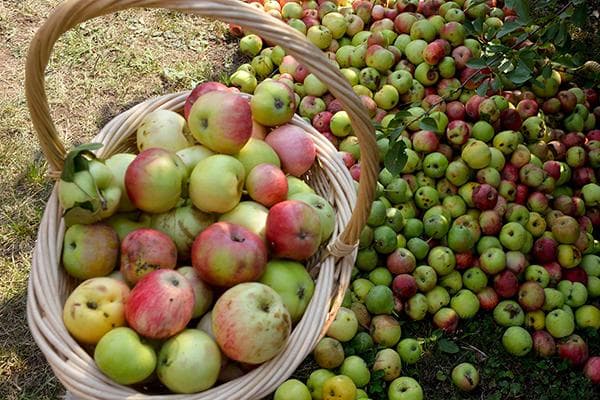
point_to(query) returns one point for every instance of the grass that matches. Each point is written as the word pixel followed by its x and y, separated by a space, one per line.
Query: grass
pixel 97 70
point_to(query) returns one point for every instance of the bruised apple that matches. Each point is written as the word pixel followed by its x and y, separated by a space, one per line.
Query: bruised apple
pixel 145 250
pixel 95 307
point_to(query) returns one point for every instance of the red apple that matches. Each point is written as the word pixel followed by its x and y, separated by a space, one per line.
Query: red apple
pixel 226 254
pixel 543 344
pixel 576 274
pixel 295 149
pixel 506 284
pixel 544 250
pixel 160 305
pixel 404 286
pixel 488 298
pixel 293 230
pixel 485 197
pixel 266 184
pixel 592 370
pixel 199 91
pixel 573 349
pixel 145 250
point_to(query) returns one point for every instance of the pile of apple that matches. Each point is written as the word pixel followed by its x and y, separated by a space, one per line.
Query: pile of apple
pixel 496 209
pixel 193 252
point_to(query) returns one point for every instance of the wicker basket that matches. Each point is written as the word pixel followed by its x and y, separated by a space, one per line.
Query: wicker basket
pixel 49 285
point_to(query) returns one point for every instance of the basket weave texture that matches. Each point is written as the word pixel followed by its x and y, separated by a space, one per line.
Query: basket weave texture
pixel 49 285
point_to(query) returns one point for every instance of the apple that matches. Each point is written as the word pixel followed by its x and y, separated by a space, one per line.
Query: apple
pixel 475 279
pixel 588 316
pixel 488 298
pixel 293 230
pixel 292 389
pixel 543 344
pixel 388 361
pixel 145 250
pixel 250 215
pixel 198 91
pixel 575 293
pixel 189 362
pixel 465 303
pixel 316 381
pixel 266 184
pixel 531 296
pixel 344 326
pixel 155 180
pixel 257 152
pixel 446 319
pixel 160 305
pixel 506 284
pixel 509 313
pixel 226 254
pixel 323 208
pixel 404 286
pixel 560 323
pixel 292 282
pixel 592 370
pixel 356 369
pixel 254 308
pixel 517 341
pixel 405 388
pixel 221 121
pixel 163 129
pixel 90 251
pixel 574 349
pixel 95 307
pixel 123 357
pixel 118 164
pixel 339 387
pixel 273 103
pixel 465 376
pixel 216 183
pixel 328 353
pixel 565 230
pixel 203 294
pixel 294 147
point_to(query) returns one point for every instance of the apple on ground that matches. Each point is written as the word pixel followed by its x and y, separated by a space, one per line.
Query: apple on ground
pixel 465 376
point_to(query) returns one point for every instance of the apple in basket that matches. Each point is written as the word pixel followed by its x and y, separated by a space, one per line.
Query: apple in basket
pixel 293 230
pixel 95 307
pixel 250 323
pixel 160 305
pixel 226 254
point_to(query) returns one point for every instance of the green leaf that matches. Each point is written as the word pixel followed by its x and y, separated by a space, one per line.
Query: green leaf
pixel 522 9
pixel 477 63
pixel 448 346
pixel 396 158
pixel 482 89
pixel 478 25
pixel 428 124
pixel 76 160
pixel 520 74
pixel 509 27
pixel 580 15
pixel 547 71
pixel 550 32
pixel 562 35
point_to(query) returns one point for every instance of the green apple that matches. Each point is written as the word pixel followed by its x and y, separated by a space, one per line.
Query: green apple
pixel 124 357
pixel 509 313
pixel 512 236
pixel 90 251
pixel 517 341
pixel 118 164
pixel 356 369
pixel 475 279
pixel 328 353
pixel 575 293
pixel 410 350
pixel 588 316
pixel 216 183
pixel 344 326
pixel 315 382
pixel 323 208
pixel 465 376
pixel 437 298
pixel 405 388
pixel 292 282
pixel 292 389
pixel 560 323
pixel 256 152
pixel 465 303
pixel 250 215
pixel 273 103
pixel 388 361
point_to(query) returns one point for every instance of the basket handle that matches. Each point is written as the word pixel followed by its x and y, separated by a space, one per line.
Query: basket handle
pixel 73 12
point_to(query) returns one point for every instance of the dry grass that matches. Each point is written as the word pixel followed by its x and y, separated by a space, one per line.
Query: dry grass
pixel 97 70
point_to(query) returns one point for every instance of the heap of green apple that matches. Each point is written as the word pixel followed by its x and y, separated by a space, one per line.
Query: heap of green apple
pixel 192 252
pixel 495 209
